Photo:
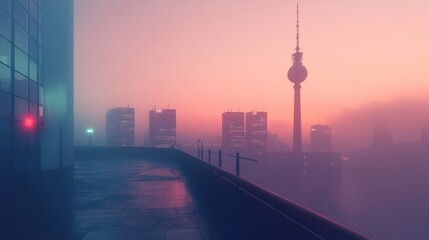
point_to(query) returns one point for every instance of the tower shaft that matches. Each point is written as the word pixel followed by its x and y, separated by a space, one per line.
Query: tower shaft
pixel 297 74
pixel 297 136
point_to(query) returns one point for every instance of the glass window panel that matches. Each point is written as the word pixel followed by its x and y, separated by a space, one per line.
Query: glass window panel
pixel 20 137
pixel 41 95
pixel 21 85
pixel 40 75
pixel 21 108
pixel 5 105
pixel 33 140
pixel 21 38
pixel 5 4
pixel 41 115
pixel 40 55
pixel 34 29
pixel 40 34
pixel 5 51
pixel 33 70
pixel 33 91
pixel 21 62
pixel 5 78
pixel 24 3
pixel 40 16
pixel 34 110
pixel 34 11
pixel 21 16
pixel 33 50
pixel 5 26
pixel 5 136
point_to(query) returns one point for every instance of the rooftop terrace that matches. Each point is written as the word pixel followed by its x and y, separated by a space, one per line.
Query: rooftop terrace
pixel 136 199
pixel 138 193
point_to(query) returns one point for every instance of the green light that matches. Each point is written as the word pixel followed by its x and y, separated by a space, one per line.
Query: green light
pixel 90 130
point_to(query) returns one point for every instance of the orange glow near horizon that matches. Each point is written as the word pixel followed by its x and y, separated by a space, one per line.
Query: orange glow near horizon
pixel 205 57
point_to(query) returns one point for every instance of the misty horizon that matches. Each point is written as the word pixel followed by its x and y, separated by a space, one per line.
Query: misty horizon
pixel 214 61
pixel 352 129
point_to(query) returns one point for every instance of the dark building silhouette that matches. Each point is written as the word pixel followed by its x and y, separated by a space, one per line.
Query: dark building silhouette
pixel 36 108
pixel 256 133
pixel 382 137
pixel 233 139
pixel 297 74
pixel 320 138
pixel 162 128
pixel 120 127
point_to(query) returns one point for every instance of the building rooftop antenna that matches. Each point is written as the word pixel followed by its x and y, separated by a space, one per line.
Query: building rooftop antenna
pixel 297 27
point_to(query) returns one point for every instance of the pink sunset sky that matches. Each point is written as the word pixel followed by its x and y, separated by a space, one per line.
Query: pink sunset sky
pixel 365 59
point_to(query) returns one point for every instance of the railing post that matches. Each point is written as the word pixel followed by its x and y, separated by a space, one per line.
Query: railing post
pixel 198 148
pixel 220 159
pixel 202 152
pixel 210 156
pixel 237 164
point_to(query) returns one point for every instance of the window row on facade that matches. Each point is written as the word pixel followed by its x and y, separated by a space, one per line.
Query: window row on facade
pixel 23 109
pixel 24 87
pixel 23 8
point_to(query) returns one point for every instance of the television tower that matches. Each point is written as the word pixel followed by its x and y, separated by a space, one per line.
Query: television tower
pixel 297 74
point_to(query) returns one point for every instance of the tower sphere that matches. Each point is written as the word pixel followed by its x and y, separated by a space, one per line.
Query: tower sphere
pixel 297 73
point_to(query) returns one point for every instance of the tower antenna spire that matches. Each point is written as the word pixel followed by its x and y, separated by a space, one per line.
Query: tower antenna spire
pixel 297 74
pixel 297 27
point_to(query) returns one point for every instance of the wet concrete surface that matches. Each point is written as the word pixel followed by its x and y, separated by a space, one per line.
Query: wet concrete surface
pixel 170 196
pixel 135 199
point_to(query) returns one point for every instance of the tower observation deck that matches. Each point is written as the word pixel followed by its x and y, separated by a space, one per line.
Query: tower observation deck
pixel 297 73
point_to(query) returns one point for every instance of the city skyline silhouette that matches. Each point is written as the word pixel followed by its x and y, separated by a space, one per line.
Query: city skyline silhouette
pixel 205 58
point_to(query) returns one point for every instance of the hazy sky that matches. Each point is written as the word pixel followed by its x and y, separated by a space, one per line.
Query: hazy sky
pixel 204 57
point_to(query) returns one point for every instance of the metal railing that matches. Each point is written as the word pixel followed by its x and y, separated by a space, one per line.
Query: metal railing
pixel 282 213
pixel 209 152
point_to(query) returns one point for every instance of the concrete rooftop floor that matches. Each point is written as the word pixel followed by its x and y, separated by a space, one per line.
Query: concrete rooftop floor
pixel 135 199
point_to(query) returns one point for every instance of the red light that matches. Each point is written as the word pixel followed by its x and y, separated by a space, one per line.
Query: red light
pixel 28 122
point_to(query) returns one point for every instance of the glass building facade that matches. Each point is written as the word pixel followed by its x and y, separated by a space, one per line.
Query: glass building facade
pixel 162 128
pixel 23 45
pixel 256 133
pixel 120 127
pixel 233 138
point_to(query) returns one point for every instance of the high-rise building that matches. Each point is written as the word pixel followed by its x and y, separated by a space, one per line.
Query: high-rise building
pixel 320 138
pixel 256 133
pixel 36 88
pixel 297 74
pixel 120 127
pixel 162 128
pixel 233 139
